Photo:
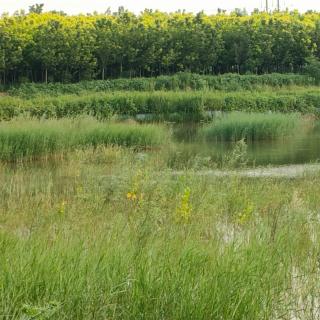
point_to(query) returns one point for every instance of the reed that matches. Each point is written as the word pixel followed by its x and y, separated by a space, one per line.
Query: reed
pixel 161 104
pixel 252 126
pixel 31 139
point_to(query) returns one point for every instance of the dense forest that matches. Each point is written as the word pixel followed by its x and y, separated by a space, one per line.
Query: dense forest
pixel 52 46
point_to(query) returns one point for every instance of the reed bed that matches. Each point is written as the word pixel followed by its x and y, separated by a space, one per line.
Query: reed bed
pixel 31 139
pixel 169 105
pixel 253 127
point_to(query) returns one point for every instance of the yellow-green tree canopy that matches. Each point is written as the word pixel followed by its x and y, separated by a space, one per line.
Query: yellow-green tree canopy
pixel 57 47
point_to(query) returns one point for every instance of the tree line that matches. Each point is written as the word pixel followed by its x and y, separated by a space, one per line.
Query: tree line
pixel 53 46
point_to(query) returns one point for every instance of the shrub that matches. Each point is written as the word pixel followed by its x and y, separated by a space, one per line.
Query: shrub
pixel 189 105
pixel 313 69
pixel 180 81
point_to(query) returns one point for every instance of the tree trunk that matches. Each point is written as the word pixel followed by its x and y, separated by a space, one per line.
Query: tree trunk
pixel 103 73
pixel 46 76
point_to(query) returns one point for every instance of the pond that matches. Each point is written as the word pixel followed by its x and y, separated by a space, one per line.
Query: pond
pixel 296 149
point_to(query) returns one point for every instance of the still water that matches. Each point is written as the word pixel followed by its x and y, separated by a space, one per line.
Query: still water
pixel 297 149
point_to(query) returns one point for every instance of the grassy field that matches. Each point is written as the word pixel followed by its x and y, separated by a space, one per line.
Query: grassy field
pixel 114 234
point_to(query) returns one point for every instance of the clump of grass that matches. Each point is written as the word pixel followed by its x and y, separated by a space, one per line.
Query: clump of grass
pixel 31 139
pixel 122 134
pixel 253 126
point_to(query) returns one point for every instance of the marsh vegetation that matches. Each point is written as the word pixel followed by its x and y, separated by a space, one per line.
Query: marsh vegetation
pixel 254 127
pixel 103 215
pixel 111 232
pixel 24 139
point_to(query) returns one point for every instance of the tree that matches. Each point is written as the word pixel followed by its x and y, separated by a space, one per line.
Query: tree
pixel 36 8
pixel 104 42
pixel 312 68
pixel 53 46
pixel 12 44
pixel 49 44
pixel 81 40
pixel 316 40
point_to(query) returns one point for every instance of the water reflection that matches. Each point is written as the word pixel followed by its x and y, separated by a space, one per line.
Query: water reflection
pixel 297 149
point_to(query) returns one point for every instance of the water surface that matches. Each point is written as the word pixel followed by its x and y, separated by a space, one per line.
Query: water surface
pixel 296 149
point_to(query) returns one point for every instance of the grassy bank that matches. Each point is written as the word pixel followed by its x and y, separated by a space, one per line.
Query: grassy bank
pixel 253 127
pixel 31 139
pixel 180 81
pixel 112 234
pixel 175 106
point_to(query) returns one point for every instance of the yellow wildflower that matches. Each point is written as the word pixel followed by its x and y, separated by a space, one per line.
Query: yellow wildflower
pixel 133 196
pixel 183 212
pixel 245 215
pixel 62 207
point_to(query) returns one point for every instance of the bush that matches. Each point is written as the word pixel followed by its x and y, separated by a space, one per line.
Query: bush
pixel 189 105
pixel 180 81
pixel 313 69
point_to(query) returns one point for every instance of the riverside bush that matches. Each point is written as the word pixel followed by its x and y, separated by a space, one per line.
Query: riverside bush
pixel 189 105
pixel 180 81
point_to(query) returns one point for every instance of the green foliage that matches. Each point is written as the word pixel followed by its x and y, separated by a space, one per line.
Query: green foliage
pixel 253 126
pixel 36 8
pixel 52 46
pixel 237 157
pixel 180 81
pixel 32 139
pixel 177 106
pixel 313 69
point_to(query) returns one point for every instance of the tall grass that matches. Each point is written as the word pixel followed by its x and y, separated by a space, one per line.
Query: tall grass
pixel 75 245
pixel 253 126
pixel 30 139
pixel 162 105
pixel 180 81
